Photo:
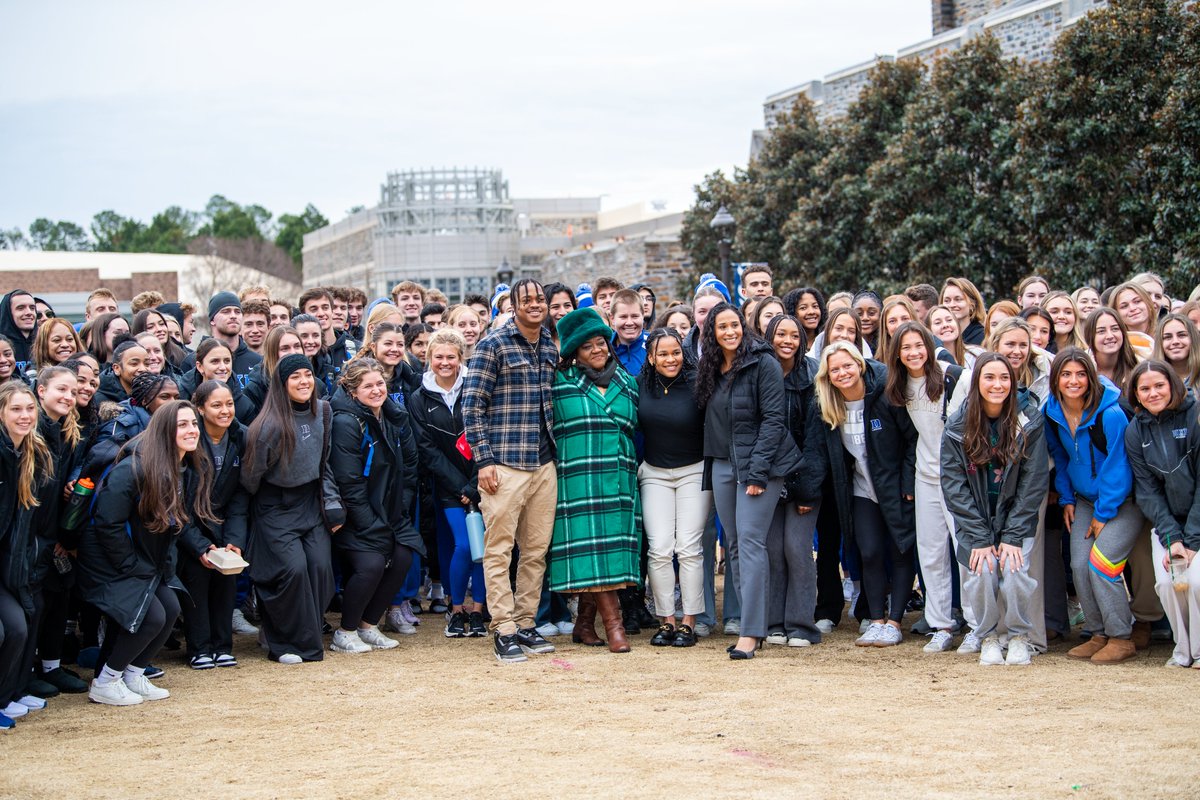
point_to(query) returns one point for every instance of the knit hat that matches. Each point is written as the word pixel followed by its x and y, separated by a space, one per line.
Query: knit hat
pixel 708 280
pixel 292 363
pixel 146 387
pixel 583 296
pixel 502 289
pixel 222 300
pixel 577 327
pixel 173 309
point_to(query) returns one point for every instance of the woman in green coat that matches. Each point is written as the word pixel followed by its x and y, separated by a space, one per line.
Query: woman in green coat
pixel 596 541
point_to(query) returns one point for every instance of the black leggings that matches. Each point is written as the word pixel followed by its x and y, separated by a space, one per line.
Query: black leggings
pixel 14 633
pixel 830 600
pixel 372 581
pixel 122 648
pixel 877 546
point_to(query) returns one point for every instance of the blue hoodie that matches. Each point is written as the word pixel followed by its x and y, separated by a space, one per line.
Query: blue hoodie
pixel 1081 469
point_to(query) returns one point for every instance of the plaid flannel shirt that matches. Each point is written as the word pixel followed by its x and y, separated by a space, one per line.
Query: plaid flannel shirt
pixel 507 399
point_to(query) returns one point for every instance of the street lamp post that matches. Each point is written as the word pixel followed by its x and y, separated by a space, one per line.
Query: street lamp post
pixel 504 273
pixel 723 224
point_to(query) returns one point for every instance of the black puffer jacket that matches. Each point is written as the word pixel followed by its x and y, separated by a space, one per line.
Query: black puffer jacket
pixel 404 383
pixel 762 448
pixel 46 515
pixel 111 390
pixel 243 407
pixel 230 502
pixel 17 545
pixel 438 431
pixel 121 563
pixel 804 423
pixel 374 463
pixel 1164 452
pixel 891 460
pixel 22 342
pixel 244 362
pixel 1023 486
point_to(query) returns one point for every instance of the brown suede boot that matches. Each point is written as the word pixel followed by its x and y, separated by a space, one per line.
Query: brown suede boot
pixel 585 622
pixel 1116 651
pixel 610 612
pixel 1089 648
pixel 1141 635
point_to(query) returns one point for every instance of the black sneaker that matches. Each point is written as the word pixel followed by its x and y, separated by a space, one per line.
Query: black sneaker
pixel 456 628
pixel 153 672
pixel 65 680
pixel 478 626
pixel 507 649
pixel 532 642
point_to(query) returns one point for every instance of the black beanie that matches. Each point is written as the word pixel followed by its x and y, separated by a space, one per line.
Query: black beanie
pixel 173 309
pixel 291 363
pixel 222 300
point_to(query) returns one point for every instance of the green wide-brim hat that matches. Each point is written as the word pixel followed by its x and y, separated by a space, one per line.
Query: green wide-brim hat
pixel 577 327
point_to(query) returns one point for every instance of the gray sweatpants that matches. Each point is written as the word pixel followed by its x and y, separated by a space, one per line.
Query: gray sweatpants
pixel 1003 603
pixel 746 520
pixel 1097 565
pixel 792 592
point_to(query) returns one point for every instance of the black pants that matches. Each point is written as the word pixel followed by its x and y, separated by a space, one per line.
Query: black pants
pixel 371 582
pixel 208 624
pixel 14 637
pixel 877 545
pixel 830 600
pixel 122 648
pixel 53 623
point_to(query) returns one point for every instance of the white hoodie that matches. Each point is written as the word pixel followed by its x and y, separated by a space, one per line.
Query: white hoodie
pixel 450 396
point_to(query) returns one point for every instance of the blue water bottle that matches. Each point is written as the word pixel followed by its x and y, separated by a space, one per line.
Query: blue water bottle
pixel 475 533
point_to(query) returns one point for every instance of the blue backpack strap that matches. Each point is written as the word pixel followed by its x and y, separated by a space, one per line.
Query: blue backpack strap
pixel 368 447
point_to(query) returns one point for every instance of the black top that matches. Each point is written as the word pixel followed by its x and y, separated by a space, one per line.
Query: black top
pixel 718 421
pixel 672 424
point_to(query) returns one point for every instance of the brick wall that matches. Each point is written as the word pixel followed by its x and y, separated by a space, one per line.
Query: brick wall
pixel 53 281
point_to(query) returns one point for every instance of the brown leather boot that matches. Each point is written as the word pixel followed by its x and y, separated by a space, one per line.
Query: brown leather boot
pixel 585 622
pixel 610 612
pixel 1141 635
pixel 1089 648
pixel 1116 651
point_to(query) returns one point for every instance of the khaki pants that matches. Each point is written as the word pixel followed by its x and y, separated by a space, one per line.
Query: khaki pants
pixel 520 513
pixel 1144 602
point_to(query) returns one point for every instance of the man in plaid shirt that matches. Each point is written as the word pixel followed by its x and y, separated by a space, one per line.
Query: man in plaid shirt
pixel 509 421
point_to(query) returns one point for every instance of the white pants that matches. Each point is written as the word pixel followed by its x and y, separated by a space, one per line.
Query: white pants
pixel 1182 608
pixel 674 512
pixel 934 524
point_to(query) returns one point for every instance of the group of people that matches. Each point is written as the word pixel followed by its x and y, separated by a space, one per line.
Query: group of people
pixel 1029 465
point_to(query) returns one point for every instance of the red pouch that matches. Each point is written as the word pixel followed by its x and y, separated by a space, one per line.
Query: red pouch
pixel 462 447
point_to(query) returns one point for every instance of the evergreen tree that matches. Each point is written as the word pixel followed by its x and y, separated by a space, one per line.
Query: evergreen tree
pixel 697 237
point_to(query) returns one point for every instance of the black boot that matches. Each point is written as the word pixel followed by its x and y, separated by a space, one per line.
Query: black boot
pixel 629 615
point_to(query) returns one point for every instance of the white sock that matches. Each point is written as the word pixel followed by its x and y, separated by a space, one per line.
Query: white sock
pixel 107 675
pixel 133 673
pixel 50 666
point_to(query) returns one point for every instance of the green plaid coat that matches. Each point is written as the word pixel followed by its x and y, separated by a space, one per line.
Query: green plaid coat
pixel 597 527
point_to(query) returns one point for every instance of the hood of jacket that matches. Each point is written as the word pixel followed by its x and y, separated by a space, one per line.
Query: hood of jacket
pixel 449 396
pixel 22 342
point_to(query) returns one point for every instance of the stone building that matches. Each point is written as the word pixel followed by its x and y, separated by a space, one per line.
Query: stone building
pixel 456 229
pixel 1026 29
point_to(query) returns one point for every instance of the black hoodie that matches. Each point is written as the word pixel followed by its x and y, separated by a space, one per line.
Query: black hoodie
pixel 1164 452
pixel 244 362
pixel 22 342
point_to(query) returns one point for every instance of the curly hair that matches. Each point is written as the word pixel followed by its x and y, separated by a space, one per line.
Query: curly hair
pixel 712 357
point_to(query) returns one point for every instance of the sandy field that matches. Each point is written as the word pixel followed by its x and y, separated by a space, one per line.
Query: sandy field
pixel 441 718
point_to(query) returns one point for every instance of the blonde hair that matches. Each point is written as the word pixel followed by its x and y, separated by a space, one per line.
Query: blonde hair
pixel 378 314
pixel 1026 376
pixel 456 313
pixel 829 399
pixel 356 370
pixel 1151 306
pixel 1077 331
pixel 446 336
pixel 70 422
pixel 970 292
pixel 1007 306
pixel 35 463
pixel 891 303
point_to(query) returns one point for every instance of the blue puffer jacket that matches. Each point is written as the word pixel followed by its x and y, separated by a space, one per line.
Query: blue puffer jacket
pixel 1081 469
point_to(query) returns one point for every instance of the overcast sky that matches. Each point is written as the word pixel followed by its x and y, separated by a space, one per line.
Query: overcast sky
pixel 137 106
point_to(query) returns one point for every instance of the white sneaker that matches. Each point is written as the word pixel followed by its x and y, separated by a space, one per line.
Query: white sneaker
pixel 373 638
pixel 241 625
pixel 15 710
pixel 970 644
pixel 112 694
pixel 702 630
pixel 798 641
pixel 32 703
pixel 864 625
pixel 940 642
pixel 348 642
pixel 777 638
pixel 870 636
pixel 825 625
pixel 565 628
pixel 1174 662
pixel 547 630
pixel 290 658
pixel 991 654
pixel 142 686
pixel 733 627
pixel 395 622
pixel 890 636
pixel 1018 652
pixel 847 589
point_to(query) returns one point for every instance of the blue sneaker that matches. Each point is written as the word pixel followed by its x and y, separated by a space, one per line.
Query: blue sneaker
pixel 6 723
pixel 153 672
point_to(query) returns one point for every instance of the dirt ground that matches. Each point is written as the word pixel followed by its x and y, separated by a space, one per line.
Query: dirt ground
pixel 437 715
